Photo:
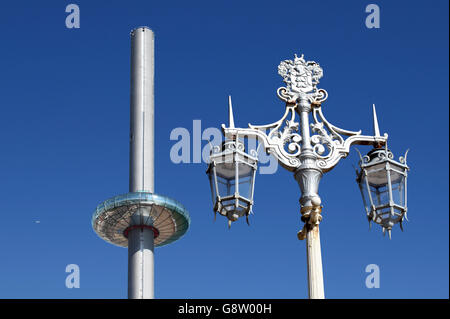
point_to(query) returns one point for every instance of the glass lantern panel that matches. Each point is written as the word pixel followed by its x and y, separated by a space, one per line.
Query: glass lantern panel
pixel 398 188
pixel 399 168
pixel 378 184
pixel 226 186
pixel 245 159
pixel 380 195
pixel 225 166
pixel 212 185
pixel 365 194
pixel 377 175
pixel 245 170
pixel 245 180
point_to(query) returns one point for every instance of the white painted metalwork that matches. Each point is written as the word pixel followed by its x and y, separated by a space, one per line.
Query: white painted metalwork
pixel 307 149
pixel 382 182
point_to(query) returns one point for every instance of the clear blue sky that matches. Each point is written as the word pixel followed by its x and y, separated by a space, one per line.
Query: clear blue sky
pixel 64 126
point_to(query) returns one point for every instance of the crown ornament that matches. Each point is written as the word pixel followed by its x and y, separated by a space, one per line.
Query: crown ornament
pixel 301 78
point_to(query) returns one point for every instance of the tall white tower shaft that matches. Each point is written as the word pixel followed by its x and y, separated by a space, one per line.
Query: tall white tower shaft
pixel 141 237
pixel 142 111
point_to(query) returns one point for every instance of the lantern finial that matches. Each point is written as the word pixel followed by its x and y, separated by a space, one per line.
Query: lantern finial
pixel 230 112
pixel 375 122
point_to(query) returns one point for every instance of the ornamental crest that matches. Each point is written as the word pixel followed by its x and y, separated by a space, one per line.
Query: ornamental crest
pixel 301 78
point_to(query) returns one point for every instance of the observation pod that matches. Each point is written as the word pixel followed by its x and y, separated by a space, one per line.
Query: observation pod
pixel 116 217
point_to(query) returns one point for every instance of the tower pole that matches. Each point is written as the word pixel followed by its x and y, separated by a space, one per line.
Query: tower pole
pixel 134 220
pixel 140 236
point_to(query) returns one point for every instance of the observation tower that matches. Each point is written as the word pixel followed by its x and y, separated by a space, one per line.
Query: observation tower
pixel 141 219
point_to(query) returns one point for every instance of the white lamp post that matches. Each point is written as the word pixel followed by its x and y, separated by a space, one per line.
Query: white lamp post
pixel 306 149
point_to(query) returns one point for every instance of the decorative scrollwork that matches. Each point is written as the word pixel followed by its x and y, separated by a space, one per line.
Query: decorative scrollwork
pixel 328 142
pixel 402 159
pixel 320 97
pixel 387 153
pixel 328 137
pixel 282 139
pixel 254 153
pixel 282 94
pixel 216 149
pixel 326 145
pixel 230 144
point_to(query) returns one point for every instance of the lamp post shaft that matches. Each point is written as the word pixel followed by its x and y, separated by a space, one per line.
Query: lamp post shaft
pixel 308 177
pixel 314 258
pixel 304 109
pixel 140 239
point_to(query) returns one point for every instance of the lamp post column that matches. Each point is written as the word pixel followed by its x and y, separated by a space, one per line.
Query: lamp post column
pixel 314 259
pixel 308 176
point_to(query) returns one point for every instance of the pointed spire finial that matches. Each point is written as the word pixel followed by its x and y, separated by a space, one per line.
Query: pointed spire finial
pixel 376 129
pixel 230 112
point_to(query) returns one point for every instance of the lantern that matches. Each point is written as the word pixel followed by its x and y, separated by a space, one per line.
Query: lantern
pixel 382 182
pixel 231 174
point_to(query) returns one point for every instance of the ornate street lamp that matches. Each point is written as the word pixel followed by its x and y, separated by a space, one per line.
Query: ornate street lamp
pixel 232 178
pixel 308 150
pixel 382 182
